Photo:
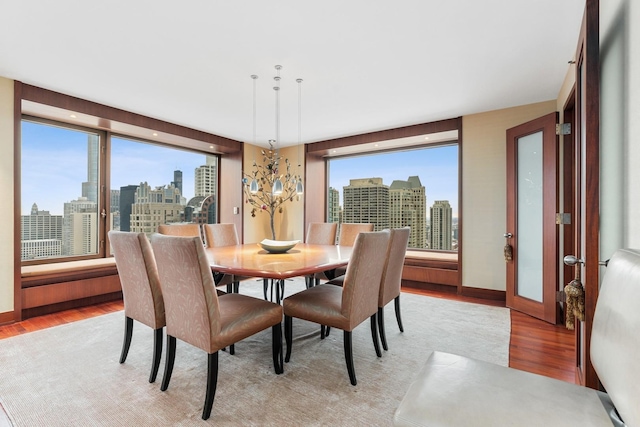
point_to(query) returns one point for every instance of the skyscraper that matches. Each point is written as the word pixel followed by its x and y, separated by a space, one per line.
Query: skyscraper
pixel 90 187
pixel 441 226
pixel 79 228
pixel 177 180
pixel 152 207
pixel 127 198
pixel 333 205
pixel 366 200
pixel 41 234
pixel 408 207
pixel 206 178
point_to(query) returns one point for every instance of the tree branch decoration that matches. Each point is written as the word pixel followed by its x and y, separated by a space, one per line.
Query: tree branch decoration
pixel 266 174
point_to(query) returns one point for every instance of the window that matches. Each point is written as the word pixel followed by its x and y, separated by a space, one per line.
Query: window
pixel 65 216
pixel 60 175
pixel 415 187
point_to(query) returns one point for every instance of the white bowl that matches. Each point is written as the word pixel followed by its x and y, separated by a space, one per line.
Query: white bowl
pixel 278 246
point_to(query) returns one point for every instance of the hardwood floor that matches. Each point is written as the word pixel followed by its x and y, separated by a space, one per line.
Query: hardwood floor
pixel 535 346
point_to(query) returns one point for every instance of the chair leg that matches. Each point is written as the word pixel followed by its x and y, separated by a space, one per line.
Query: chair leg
pixel 128 331
pixel 276 337
pixel 212 382
pixel 232 349
pixel 383 335
pixel 265 286
pixel 327 330
pixel 398 318
pixel 374 335
pixel 230 288
pixel 348 355
pixel 168 364
pixel 236 287
pixel 288 335
pixel 322 332
pixel 157 352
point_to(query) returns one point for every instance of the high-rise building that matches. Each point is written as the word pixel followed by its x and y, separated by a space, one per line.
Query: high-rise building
pixel 366 200
pixel 80 227
pixel 408 207
pixel 153 207
pixel 90 187
pixel 441 226
pixel 206 178
pixel 333 205
pixel 177 180
pixel 127 198
pixel 40 234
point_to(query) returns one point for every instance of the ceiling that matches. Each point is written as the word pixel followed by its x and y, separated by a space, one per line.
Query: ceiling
pixel 366 65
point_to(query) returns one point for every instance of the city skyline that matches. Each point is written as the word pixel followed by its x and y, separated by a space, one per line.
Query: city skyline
pixel 134 162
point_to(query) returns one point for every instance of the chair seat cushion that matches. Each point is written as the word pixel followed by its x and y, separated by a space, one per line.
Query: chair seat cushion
pixel 242 316
pixel 453 390
pixel 320 304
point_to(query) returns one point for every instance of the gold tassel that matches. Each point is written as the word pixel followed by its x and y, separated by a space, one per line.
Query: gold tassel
pixel 574 293
pixel 508 253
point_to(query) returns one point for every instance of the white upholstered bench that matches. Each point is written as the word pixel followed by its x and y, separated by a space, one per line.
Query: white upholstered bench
pixel 452 390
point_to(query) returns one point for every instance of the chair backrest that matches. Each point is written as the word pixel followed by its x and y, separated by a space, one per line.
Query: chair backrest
pixel 184 230
pixel 190 298
pixel 362 279
pixel 322 233
pixel 220 235
pixel 615 336
pixel 349 232
pixel 392 274
pixel 139 278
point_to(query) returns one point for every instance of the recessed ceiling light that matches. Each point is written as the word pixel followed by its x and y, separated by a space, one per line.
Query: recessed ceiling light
pixel 426 137
pixel 333 151
pixel 73 116
pixel 155 134
pixel 211 146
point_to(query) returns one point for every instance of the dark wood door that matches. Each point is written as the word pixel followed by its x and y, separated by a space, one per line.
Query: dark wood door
pixel 532 201
pixel 587 224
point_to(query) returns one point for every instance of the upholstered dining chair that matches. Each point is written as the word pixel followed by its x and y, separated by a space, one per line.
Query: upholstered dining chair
pixel 197 315
pixel 216 235
pixel 320 233
pixel 348 306
pixel 346 237
pixel 141 290
pixel 391 279
pixel 184 230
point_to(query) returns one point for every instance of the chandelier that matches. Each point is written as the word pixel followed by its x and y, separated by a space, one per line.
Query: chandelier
pixel 271 183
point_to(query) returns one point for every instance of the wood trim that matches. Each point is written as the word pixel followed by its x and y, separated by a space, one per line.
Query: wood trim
pixel 438 276
pixel 589 46
pixel 72 304
pixel 569 185
pixel 412 285
pixel 460 180
pixel 487 294
pixel 7 317
pixel 120 121
pixel 17 197
pixel 39 296
pixel 323 148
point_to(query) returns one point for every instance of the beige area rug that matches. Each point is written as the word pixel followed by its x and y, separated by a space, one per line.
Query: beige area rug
pixel 69 375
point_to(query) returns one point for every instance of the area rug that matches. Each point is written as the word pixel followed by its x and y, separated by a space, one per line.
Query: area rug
pixel 69 375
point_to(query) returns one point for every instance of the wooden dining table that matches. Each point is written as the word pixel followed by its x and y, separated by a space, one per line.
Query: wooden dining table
pixel 251 260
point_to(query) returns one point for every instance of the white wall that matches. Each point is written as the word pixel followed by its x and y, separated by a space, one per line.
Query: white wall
pixel 6 195
pixel 619 125
pixel 484 191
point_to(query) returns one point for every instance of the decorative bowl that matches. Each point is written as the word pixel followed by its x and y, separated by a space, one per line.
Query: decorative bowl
pixel 278 246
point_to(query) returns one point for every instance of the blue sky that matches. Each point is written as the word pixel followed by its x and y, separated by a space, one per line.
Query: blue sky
pixel 437 168
pixel 51 183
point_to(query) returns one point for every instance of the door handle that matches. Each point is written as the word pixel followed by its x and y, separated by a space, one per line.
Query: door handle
pixel 572 260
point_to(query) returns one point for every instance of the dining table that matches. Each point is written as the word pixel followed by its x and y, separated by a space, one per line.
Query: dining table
pixel 251 260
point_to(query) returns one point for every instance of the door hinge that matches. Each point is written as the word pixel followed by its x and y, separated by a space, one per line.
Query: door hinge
pixel 559 296
pixel 563 128
pixel 563 218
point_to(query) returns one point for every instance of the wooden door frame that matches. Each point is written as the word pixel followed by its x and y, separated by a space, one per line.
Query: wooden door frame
pixel 588 56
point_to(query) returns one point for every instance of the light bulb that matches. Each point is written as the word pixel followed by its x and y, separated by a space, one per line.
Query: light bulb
pixel 277 187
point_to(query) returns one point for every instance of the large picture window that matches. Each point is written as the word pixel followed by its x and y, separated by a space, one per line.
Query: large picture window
pixel 415 187
pixel 65 214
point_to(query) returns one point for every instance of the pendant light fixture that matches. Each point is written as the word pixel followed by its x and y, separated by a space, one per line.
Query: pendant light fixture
pixel 253 188
pixel 277 184
pixel 299 185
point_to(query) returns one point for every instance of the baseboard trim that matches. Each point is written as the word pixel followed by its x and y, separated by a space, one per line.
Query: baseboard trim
pixel 489 294
pixel 7 317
